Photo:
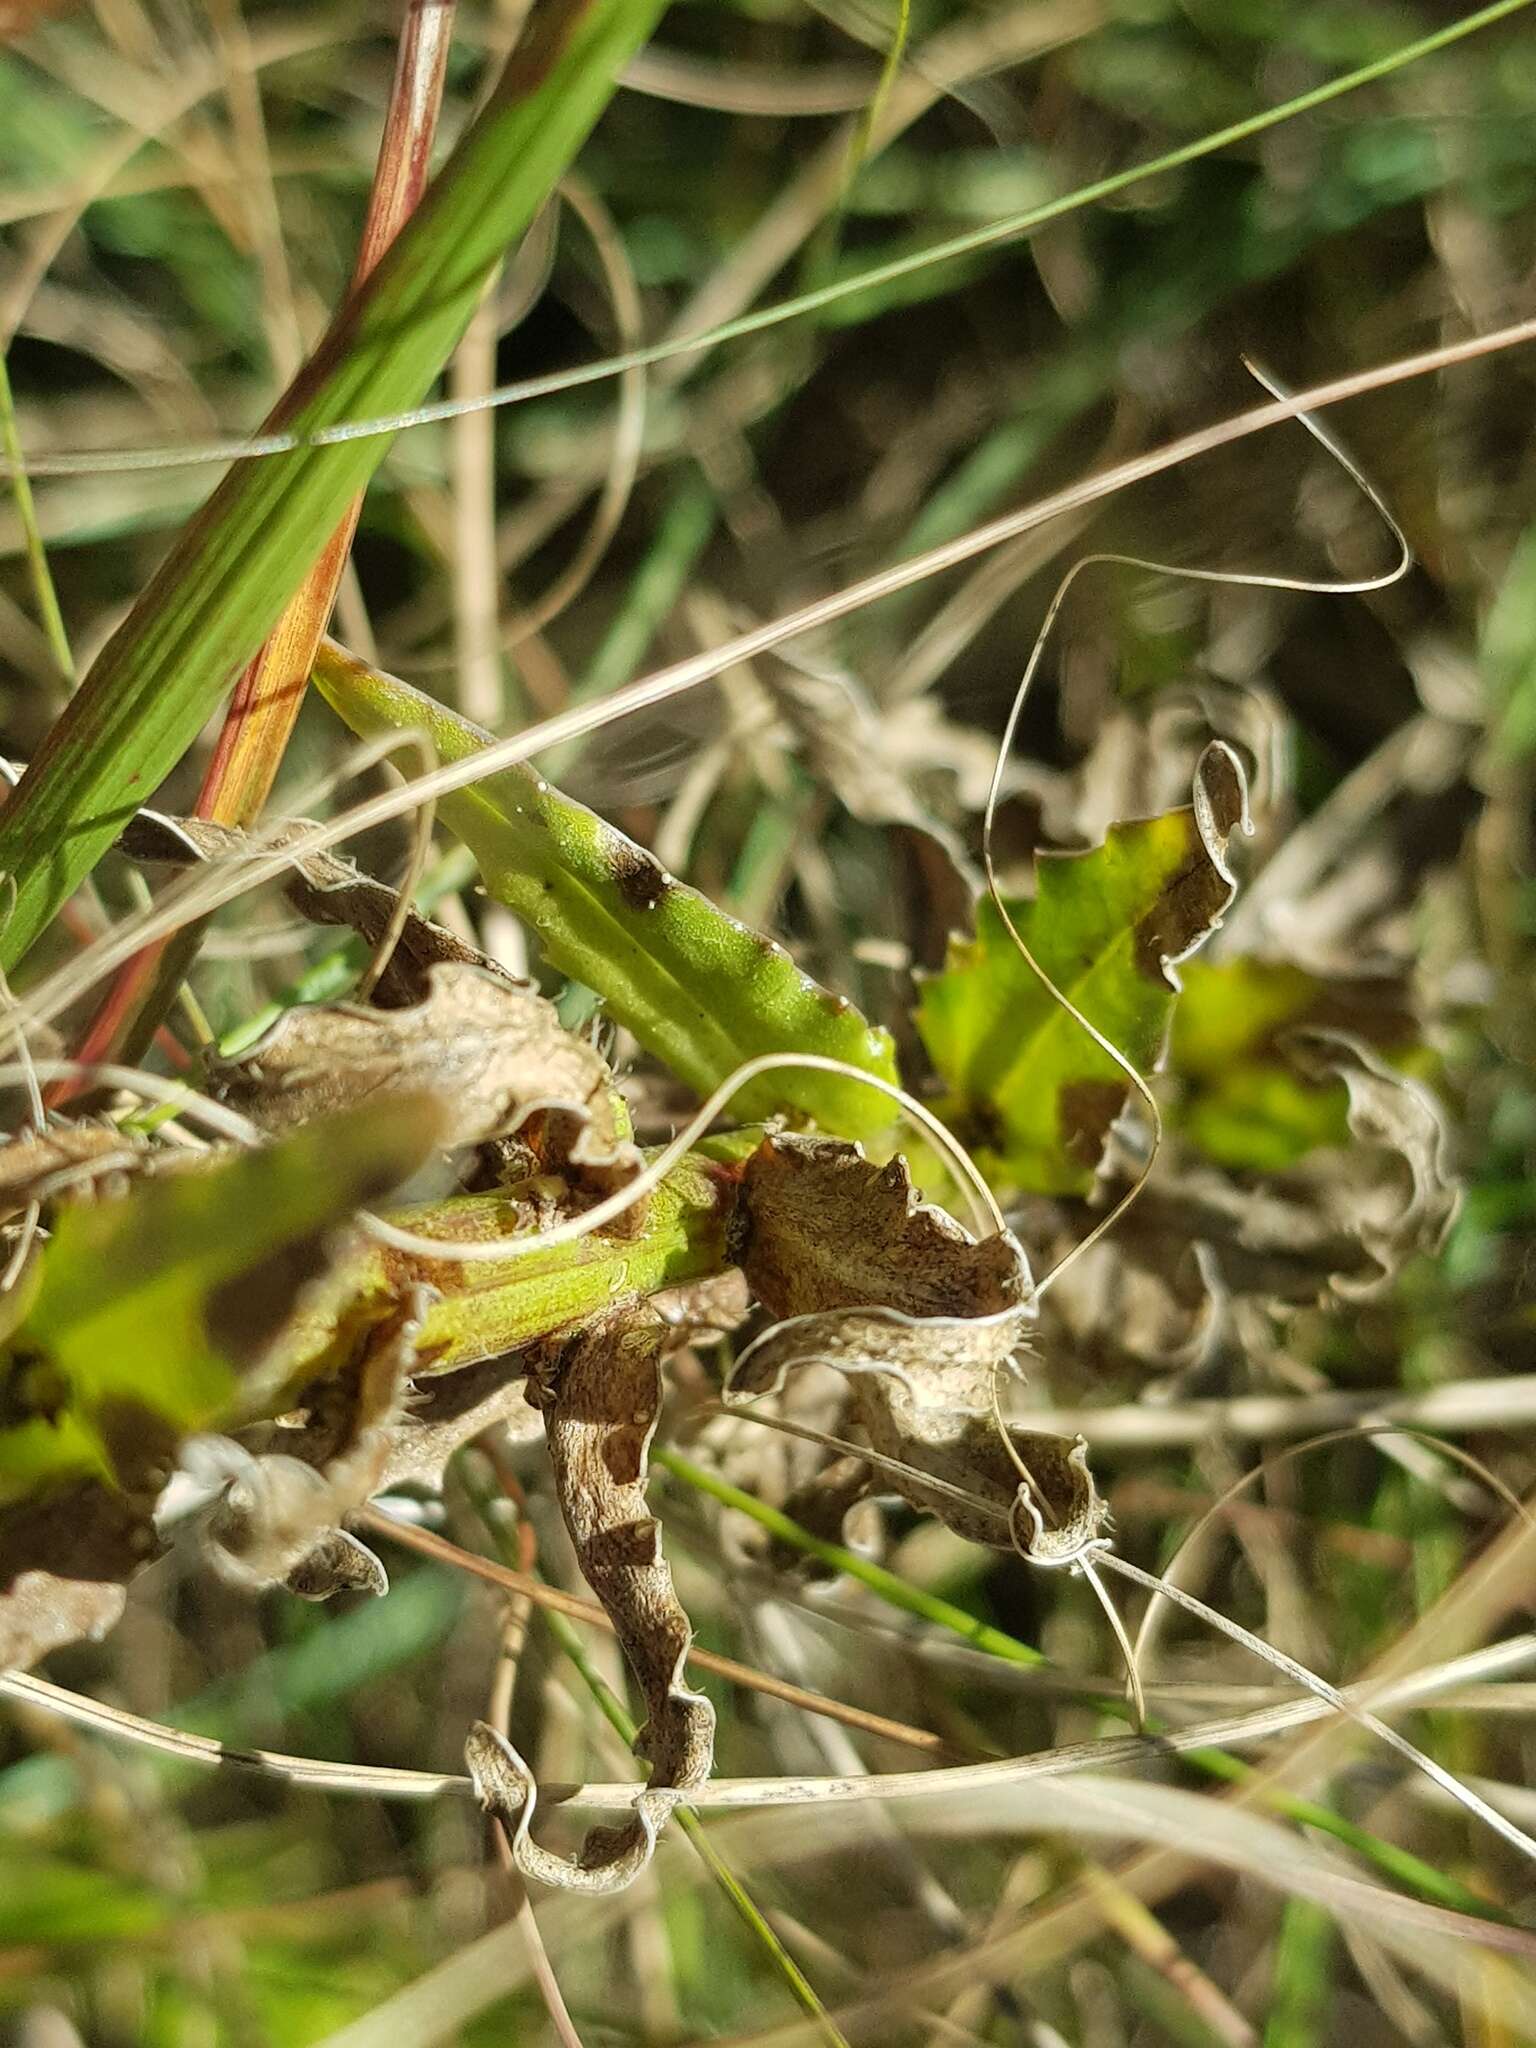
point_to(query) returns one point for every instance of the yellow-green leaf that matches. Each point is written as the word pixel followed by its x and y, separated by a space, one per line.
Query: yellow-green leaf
pixel 1242 1100
pixel 1029 1090
pixel 147 1311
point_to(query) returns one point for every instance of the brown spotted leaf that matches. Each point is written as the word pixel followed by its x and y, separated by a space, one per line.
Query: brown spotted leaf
pixel 498 1055
pixel 1028 1088
pixel 922 1318
pixel 602 1397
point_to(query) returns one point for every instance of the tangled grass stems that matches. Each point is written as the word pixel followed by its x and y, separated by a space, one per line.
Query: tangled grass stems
pixel 992 235
pixel 206 892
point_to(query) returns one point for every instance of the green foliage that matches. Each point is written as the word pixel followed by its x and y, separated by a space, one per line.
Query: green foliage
pixel 491 1306
pixel 1029 1090
pixel 696 987
pixel 1241 1099
pixel 142 1315
pixel 1509 650
pixel 244 555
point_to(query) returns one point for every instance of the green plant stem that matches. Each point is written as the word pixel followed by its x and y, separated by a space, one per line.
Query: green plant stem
pixel 43 592
pixel 1299 1978
pixel 218 593
pixel 895 1591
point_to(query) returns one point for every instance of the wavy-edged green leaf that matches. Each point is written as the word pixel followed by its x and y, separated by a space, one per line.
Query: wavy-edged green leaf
pixel 217 595
pixel 1028 1088
pixel 696 987
pixel 1243 1100
pixel 144 1314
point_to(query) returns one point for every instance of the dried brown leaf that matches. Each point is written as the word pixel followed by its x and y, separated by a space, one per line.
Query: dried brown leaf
pixel 328 890
pixel 602 1397
pixel 72 1158
pixel 497 1054
pixel 1400 1134
pixel 922 1317
pixel 289 1489
pixel 41 1613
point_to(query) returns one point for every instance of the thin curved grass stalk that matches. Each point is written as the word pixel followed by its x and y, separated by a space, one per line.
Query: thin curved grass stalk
pixel 1275 1459
pixel 44 596
pixel 1238 579
pixel 1208 1755
pixel 993 235
pixel 1470 1801
pixel 523 1586
pixel 172 1094
pixel 75 978
pixel 612 1207
pixel 735 1795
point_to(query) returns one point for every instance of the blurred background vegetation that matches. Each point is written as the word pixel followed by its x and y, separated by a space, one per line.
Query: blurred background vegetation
pixel 181 190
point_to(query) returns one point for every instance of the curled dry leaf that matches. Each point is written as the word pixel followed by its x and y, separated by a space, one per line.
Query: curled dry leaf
pixel 73 1159
pixel 323 887
pixel 1242 1099
pixel 288 1493
pixel 1389 1114
pixel 922 1317
pixel 306 1063
pixel 155 1317
pixel 40 1613
pixel 602 1396
pixel 497 1054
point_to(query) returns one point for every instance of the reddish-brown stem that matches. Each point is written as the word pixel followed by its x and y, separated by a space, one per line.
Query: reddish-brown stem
pixel 261 714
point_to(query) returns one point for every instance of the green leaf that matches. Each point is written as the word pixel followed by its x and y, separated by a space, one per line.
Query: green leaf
pixel 146 1313
pixel 1508 651
pixel 490 1306
pixel 696 987
pixel 239 561
pixel 1029 1089
pixel 1242 1100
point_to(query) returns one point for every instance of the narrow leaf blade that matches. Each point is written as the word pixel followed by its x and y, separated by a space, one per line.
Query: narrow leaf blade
pixel 695 986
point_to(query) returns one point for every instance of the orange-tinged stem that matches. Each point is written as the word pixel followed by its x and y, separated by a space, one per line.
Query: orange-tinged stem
pixel 261 714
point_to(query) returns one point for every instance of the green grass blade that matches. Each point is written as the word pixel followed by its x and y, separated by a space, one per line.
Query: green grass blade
pixel 44 594
pixel 239 561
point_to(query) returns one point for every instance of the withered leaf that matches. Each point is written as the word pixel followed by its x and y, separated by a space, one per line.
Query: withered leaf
pixel 70 1158
pixel 327 889
pixel 288 1491
pixel 821 1227
pixel 1029 1086
pixel 41 1613
pixel 602 1397
pixel 1400 1196
pixel 922 1317
pixel 497 1054
pixel 865 1275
